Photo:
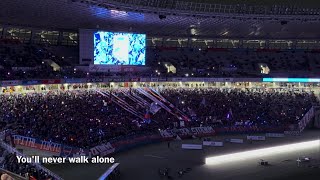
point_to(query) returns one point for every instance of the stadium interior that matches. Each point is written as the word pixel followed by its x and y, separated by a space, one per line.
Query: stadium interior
pixel 169 89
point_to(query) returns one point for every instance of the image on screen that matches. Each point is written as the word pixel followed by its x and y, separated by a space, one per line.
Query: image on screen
pixel 113 48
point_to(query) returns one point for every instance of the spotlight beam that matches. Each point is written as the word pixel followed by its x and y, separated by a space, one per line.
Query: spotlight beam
pixel 259 153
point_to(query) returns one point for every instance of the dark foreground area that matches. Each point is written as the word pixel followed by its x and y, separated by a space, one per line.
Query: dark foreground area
pixel 144 163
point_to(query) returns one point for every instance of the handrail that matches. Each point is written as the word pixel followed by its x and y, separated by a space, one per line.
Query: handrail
pixel 14 175
pixel 3 133
pixel 305 120
pixel 105 175
pixel 38 166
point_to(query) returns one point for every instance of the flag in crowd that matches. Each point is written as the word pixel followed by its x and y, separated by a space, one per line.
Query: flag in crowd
pixel 154 108
pixel 230 115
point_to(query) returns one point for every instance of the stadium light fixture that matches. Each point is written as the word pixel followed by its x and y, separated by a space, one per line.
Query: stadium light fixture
pixel 261 153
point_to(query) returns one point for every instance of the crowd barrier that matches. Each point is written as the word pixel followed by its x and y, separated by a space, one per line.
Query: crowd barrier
pixel 256 138
pixel 292 133
pixel 239 141
pixel 104 149
pixel 307 118
pixel 105 176
pixel 55 149
pixel 13 175
pixel 2 135
pixel 187 132
pixel 212 143
pixel 249 129
pixel 124 143
pixel 275 135
pixel 191 146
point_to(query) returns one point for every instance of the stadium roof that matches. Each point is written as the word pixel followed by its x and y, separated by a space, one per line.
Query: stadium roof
pixel 298 3
pixel 75 14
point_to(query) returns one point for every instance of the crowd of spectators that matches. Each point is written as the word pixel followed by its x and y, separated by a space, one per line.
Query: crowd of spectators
pixel 242 107
pixel 232 62
pixel 87 118
pixel 76 118
pixel 22 61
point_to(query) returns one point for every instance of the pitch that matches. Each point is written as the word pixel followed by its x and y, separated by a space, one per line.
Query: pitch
pixel 147 162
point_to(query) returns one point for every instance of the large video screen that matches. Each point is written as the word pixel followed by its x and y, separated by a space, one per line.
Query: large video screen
pixel 113 48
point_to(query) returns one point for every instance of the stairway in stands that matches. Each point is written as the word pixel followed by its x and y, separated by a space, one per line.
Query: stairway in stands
pixel 157 98
pixel 122 103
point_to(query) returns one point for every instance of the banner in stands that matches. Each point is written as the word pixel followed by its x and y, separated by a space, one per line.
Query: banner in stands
pixel 32 82
pixel 200 131
pixel 89 80
pixel 52 147
pixel 237 129
pixel 191 146
pixel 212 143
pixel 115 80
pixel 134 79
pixel 256 138
pixel 275 135
pixel 10 83
pixel 67 151
pixel 34 143
pixel 102 150
pixel 145 79
pixel 103 68
pixel 306 119
pixel 24 68
pixel 116 68
pixel 79 80
pixel 239 141
pixel 248 129
pixel 51 81
pixel 154 108
pixel 292 133
pixel 201 79
pixel 163 79
pixel 177 79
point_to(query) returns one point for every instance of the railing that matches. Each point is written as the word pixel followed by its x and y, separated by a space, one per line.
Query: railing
pixel 2 135
pixel 124 105
pixel 317 116
pixel 306 119
pixel 38 166
pixel 193 7
pixel 13 175
pixel 108 172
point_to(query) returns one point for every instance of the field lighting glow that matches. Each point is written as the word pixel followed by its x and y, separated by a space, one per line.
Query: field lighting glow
pixel 261 153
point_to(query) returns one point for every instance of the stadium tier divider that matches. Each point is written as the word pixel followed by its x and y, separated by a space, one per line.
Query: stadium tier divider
pixel 38 166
